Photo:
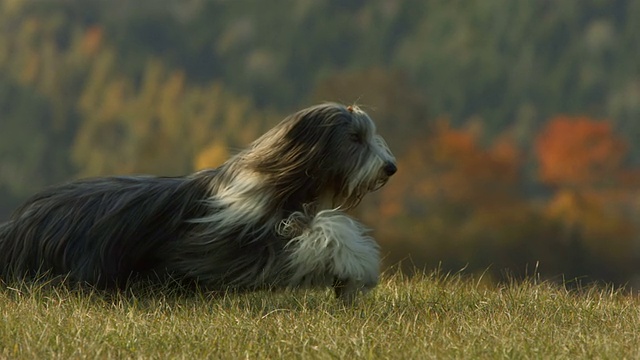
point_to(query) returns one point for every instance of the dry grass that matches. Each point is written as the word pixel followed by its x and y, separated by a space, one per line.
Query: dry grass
pixel 429 316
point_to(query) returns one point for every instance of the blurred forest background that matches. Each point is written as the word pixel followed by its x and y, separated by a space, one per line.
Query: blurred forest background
pixel 515 123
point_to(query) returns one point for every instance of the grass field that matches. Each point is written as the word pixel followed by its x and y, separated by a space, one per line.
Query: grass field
pixel 426 317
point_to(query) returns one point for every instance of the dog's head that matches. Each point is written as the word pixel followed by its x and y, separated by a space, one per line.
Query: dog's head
pixel 327 152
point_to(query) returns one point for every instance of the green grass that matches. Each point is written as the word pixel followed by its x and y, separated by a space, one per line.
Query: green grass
pixel 429 316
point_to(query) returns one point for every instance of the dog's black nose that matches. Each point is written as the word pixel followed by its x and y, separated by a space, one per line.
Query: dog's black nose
pixel 390 168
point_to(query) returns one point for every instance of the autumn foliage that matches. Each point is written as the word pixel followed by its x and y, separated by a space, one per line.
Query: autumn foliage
pixel 578 151
pixel 457 201
pixel 451 165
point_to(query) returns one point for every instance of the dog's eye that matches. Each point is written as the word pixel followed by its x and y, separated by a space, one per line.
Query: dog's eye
pixel 355 137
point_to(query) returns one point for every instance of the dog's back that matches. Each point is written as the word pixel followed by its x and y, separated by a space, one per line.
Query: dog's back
pixel 99 231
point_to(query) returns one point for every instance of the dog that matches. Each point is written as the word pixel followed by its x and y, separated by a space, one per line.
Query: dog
pixel 272 216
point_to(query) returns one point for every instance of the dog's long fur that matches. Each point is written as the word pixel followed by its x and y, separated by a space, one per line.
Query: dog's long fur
pixel 271 216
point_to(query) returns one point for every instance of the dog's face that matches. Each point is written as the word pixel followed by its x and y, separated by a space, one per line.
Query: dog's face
pixel 330 151
pixel 367 162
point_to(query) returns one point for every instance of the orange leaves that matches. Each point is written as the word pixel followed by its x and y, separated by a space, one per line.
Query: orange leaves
pixel 578 151
pixel 583 158
pixel 469 172
pixel 459 200
pixel 92 39
pixel 451 166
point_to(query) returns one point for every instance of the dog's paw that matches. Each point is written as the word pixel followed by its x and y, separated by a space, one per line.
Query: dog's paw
pixel 347 290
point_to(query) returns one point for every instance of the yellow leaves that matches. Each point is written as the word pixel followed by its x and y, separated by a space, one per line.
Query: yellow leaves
pixel 10 7
pixel 114 98
pixel 170 102
pixel 100 73
pixel 596 218
pixel 164 124
pixel 212 156
pixel 567 206
pixel 30 69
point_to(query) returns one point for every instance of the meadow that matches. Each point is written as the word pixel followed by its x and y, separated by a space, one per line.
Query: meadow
pixel 428 316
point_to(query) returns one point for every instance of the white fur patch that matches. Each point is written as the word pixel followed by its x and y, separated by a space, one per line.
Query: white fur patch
pixel 333 245
pixel 241 201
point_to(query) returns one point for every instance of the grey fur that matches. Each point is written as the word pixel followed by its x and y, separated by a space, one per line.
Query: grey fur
pixel 219 227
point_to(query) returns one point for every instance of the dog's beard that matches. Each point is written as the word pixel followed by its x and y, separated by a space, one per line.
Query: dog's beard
pixel 347 201
pixel 378 184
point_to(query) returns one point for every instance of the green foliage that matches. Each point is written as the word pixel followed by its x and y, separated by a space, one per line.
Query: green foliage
pixel 430 316
pixel 24 116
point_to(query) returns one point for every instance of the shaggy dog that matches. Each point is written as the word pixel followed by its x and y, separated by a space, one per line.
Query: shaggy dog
pixel 270 217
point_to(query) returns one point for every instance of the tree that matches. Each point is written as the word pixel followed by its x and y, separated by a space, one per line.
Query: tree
pixel 578 151
pixel 582 159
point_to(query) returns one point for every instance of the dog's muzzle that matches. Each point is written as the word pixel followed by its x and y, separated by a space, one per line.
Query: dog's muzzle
pixel 387 170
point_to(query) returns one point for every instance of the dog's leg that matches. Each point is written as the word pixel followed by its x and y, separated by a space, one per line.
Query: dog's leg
pixel 347 290
pixel 336 246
